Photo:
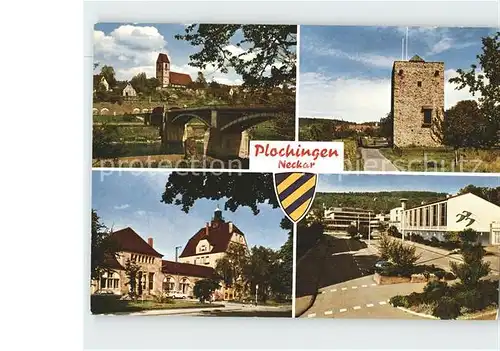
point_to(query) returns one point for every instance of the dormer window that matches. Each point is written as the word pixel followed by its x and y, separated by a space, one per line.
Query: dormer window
pixel 203 248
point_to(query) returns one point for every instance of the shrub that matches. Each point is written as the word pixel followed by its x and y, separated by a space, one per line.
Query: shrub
pixel 446 308
pixel 403 256
pixel 385 246
pixel 415 299
pixel 435 242
pixel 399 300
pixel 435 290
pixel 393 231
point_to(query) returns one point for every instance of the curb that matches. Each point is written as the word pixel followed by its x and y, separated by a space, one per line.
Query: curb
pixel 423 315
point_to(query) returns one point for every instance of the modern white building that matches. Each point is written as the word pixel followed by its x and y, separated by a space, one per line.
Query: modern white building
pixel 338 219
pixel 395 217
pixel 452 214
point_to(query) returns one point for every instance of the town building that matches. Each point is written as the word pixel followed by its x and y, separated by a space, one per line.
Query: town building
pixel 417 101
pixel 166 77
pixel 197 261
pixel 129 91
pixel 453 214
pixel 395 217
pixel 338 219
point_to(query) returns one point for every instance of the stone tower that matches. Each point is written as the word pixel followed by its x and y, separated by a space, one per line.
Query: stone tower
pixel 163 70
pixel 417 99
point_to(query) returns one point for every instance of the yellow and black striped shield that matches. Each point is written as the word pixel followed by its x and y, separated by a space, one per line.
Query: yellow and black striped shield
pixel 295 192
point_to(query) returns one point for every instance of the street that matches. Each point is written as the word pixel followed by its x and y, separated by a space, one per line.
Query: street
pixel 345 284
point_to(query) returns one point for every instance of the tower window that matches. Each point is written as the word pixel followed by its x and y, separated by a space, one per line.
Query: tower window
pixel 400 72
pixel 427 117
pixel 419 83
pixel 436 74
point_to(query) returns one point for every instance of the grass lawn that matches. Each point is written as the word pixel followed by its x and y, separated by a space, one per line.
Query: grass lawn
pixel 442 160
pixel 112 304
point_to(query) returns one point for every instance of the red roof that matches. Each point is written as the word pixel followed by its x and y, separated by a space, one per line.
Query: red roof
pixel 193 270
pixel 180 78
pixel 218 236
pixel 162 58
pixel 128 240
pixel 112 263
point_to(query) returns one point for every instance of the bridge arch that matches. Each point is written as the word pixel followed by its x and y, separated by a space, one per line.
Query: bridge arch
pixel 95 111
pixel 247 121
pixel 186 117
pixel 104 110
pixel 136 110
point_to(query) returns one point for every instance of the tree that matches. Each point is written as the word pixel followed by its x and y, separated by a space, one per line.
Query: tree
pixel 246 189
pixel 132 272
pixel 489 194
pixel 384 246
pixel 473 268
pixel 103 248
pixel 109 74
pixel 201 81
pixel 403 256
pixel 487 84
pixel 204 288
pixel 264 55
pixel 386 126
pixel 105 142
pixel 262 265
pixel 214 85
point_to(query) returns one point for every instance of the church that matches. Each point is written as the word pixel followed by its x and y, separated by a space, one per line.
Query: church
pixel 197 261
pixel 166 77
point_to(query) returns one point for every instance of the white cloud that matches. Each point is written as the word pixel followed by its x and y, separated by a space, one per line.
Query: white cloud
pixel 121 207
pixel 357 99
pixel 132 49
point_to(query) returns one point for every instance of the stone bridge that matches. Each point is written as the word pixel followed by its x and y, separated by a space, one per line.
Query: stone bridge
pixel 226 135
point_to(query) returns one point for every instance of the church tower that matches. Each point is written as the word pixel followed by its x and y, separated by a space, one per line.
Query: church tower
pixel 218 215
pixel 163 70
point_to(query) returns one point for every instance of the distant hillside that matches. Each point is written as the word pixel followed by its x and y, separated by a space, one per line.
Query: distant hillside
pixel 385 201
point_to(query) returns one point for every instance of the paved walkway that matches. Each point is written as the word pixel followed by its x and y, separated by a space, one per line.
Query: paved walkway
pixel 374 161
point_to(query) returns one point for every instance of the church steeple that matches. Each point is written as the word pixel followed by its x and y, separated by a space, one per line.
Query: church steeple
pixel 218 215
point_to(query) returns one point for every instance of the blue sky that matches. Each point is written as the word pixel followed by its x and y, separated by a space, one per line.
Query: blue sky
pixel 384 182
pixel 132 199
pixel 345 70
pixel 133 48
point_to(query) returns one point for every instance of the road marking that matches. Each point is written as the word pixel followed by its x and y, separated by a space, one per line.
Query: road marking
pixel 374 284
pixel 333 290
pixel 382 303
pixel 343 310
pixel 364 286
pixel 323 292
pixel 328 312
pixel 311 315
pixel 344 288
pixel 369 305
pixel 357 307
pixel 354 287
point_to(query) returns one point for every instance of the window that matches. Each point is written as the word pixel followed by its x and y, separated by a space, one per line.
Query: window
pixel 116 283
pixel 203 248
pixel 195 261
pixel 207 261
pixel 103 283
pixel 427 216
pixel 151 278
pixel 442 211
pixel 436 73
pixel 427 116
pixel 421 217
pixel 435 215
pixel 419 83
pixel 400 72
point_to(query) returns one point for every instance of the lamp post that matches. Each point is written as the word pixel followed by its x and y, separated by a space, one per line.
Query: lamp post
pixel 256 292
pixel 369 227
pixel 403 207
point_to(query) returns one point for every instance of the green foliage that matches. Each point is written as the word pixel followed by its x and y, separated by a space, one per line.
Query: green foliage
pixel 103 248
pixel 399 301
pixel 106 141
pixel 144 85
pixel 204 288
pixel 384 247
pixel 446 308
pixel 247 189
pixel 386 126
pixel 393 231
pixel 386 200
pixel 267 58
pixel 487 85
pixel 435 290
pixel 403 256
pixel 132 272
pixel 109 74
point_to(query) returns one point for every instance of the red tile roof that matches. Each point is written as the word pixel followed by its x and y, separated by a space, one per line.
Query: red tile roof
pixel 128 240
pixel 180 78
pixel 112 263
pixel 218 236
pixel 162 58
pixel 193 270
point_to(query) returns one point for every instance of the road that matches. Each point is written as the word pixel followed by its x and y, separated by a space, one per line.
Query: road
pixel 374 161
pixel 345 285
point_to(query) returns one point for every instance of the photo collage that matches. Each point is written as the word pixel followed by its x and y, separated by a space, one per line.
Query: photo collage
pixel 295 171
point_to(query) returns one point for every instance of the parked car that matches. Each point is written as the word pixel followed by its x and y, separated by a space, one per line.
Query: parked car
pixel 177 295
